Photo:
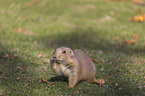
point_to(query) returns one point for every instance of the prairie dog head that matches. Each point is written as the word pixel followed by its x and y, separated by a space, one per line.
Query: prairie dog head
pixel 63 55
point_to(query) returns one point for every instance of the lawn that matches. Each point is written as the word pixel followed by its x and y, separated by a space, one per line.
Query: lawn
pixel 31 30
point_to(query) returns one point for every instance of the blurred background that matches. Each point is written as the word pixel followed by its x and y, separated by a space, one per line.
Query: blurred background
pixel 110 31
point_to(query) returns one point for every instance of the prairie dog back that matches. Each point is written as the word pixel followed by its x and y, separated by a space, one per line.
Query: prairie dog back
pixel 87 67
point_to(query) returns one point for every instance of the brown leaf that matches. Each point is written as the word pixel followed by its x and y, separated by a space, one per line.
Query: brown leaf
pixel 0 25
pixel 135 36
pixel 18 78
pixel 40 56
pixel 3 76
pixel 140 11
pixel 138 18
pixel 21 68
pixel 144 45
pixel 14 56
pixel 35 1
pixel 130 42
pixel 96 61
pixel 18 30
pixel 45 81
pixel 6 56
pixel 25 85
pixel 46 61
pixel 115 0
pixel 139 2
pixel 100 81
pixel 27 4
pixel 116 38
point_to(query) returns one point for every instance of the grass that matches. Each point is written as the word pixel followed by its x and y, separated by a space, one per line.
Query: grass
pixel 90 25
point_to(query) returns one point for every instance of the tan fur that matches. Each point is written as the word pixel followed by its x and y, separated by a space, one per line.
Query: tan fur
pixel 76 65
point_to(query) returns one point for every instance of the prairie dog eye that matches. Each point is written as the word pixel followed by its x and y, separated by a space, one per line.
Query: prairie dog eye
pixel 64 52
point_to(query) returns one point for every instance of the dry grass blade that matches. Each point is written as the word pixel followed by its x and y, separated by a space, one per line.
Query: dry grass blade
pixel 36 62
pixel 21 68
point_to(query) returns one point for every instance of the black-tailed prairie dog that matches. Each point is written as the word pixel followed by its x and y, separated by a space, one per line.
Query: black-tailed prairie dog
pixel 74 64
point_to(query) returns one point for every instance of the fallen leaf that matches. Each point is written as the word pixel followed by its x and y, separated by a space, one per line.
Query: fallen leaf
pixel 3 76
pixel 103 60
pixel 1 94
pixel 130 42
pixel 5 56
pixel 100 81
pixel 0 25
pixel 95 60
pixel 14 56
pixel 138 18
pixel 27 4
pixel 20 17
pixel 46 61
pixel 21 68
pixel 140 11
pixel 35 1
pixel 139 2
pixel 114 0
pixel 116 38
pixel 45 81
pixel 36 63
pixel 40 56
pixel 135 36
pixel 25 85
pixel 144 45
pixel 18 30
pixel 18 78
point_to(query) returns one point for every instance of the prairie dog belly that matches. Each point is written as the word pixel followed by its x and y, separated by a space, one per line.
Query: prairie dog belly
pixel 56 69
pixel 65 70
pixel 60 69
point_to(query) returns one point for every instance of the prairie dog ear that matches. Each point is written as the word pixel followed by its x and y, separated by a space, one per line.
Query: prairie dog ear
pixel 71 53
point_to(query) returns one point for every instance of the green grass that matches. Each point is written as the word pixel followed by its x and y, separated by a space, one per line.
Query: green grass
pixel 90 25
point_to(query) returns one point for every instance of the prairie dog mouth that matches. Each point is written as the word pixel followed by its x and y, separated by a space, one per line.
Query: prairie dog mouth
pixel 53 60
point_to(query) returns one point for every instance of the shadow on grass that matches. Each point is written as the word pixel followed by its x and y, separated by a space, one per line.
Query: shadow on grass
pixel 91 40
pixel 16 81
pixel 58 78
